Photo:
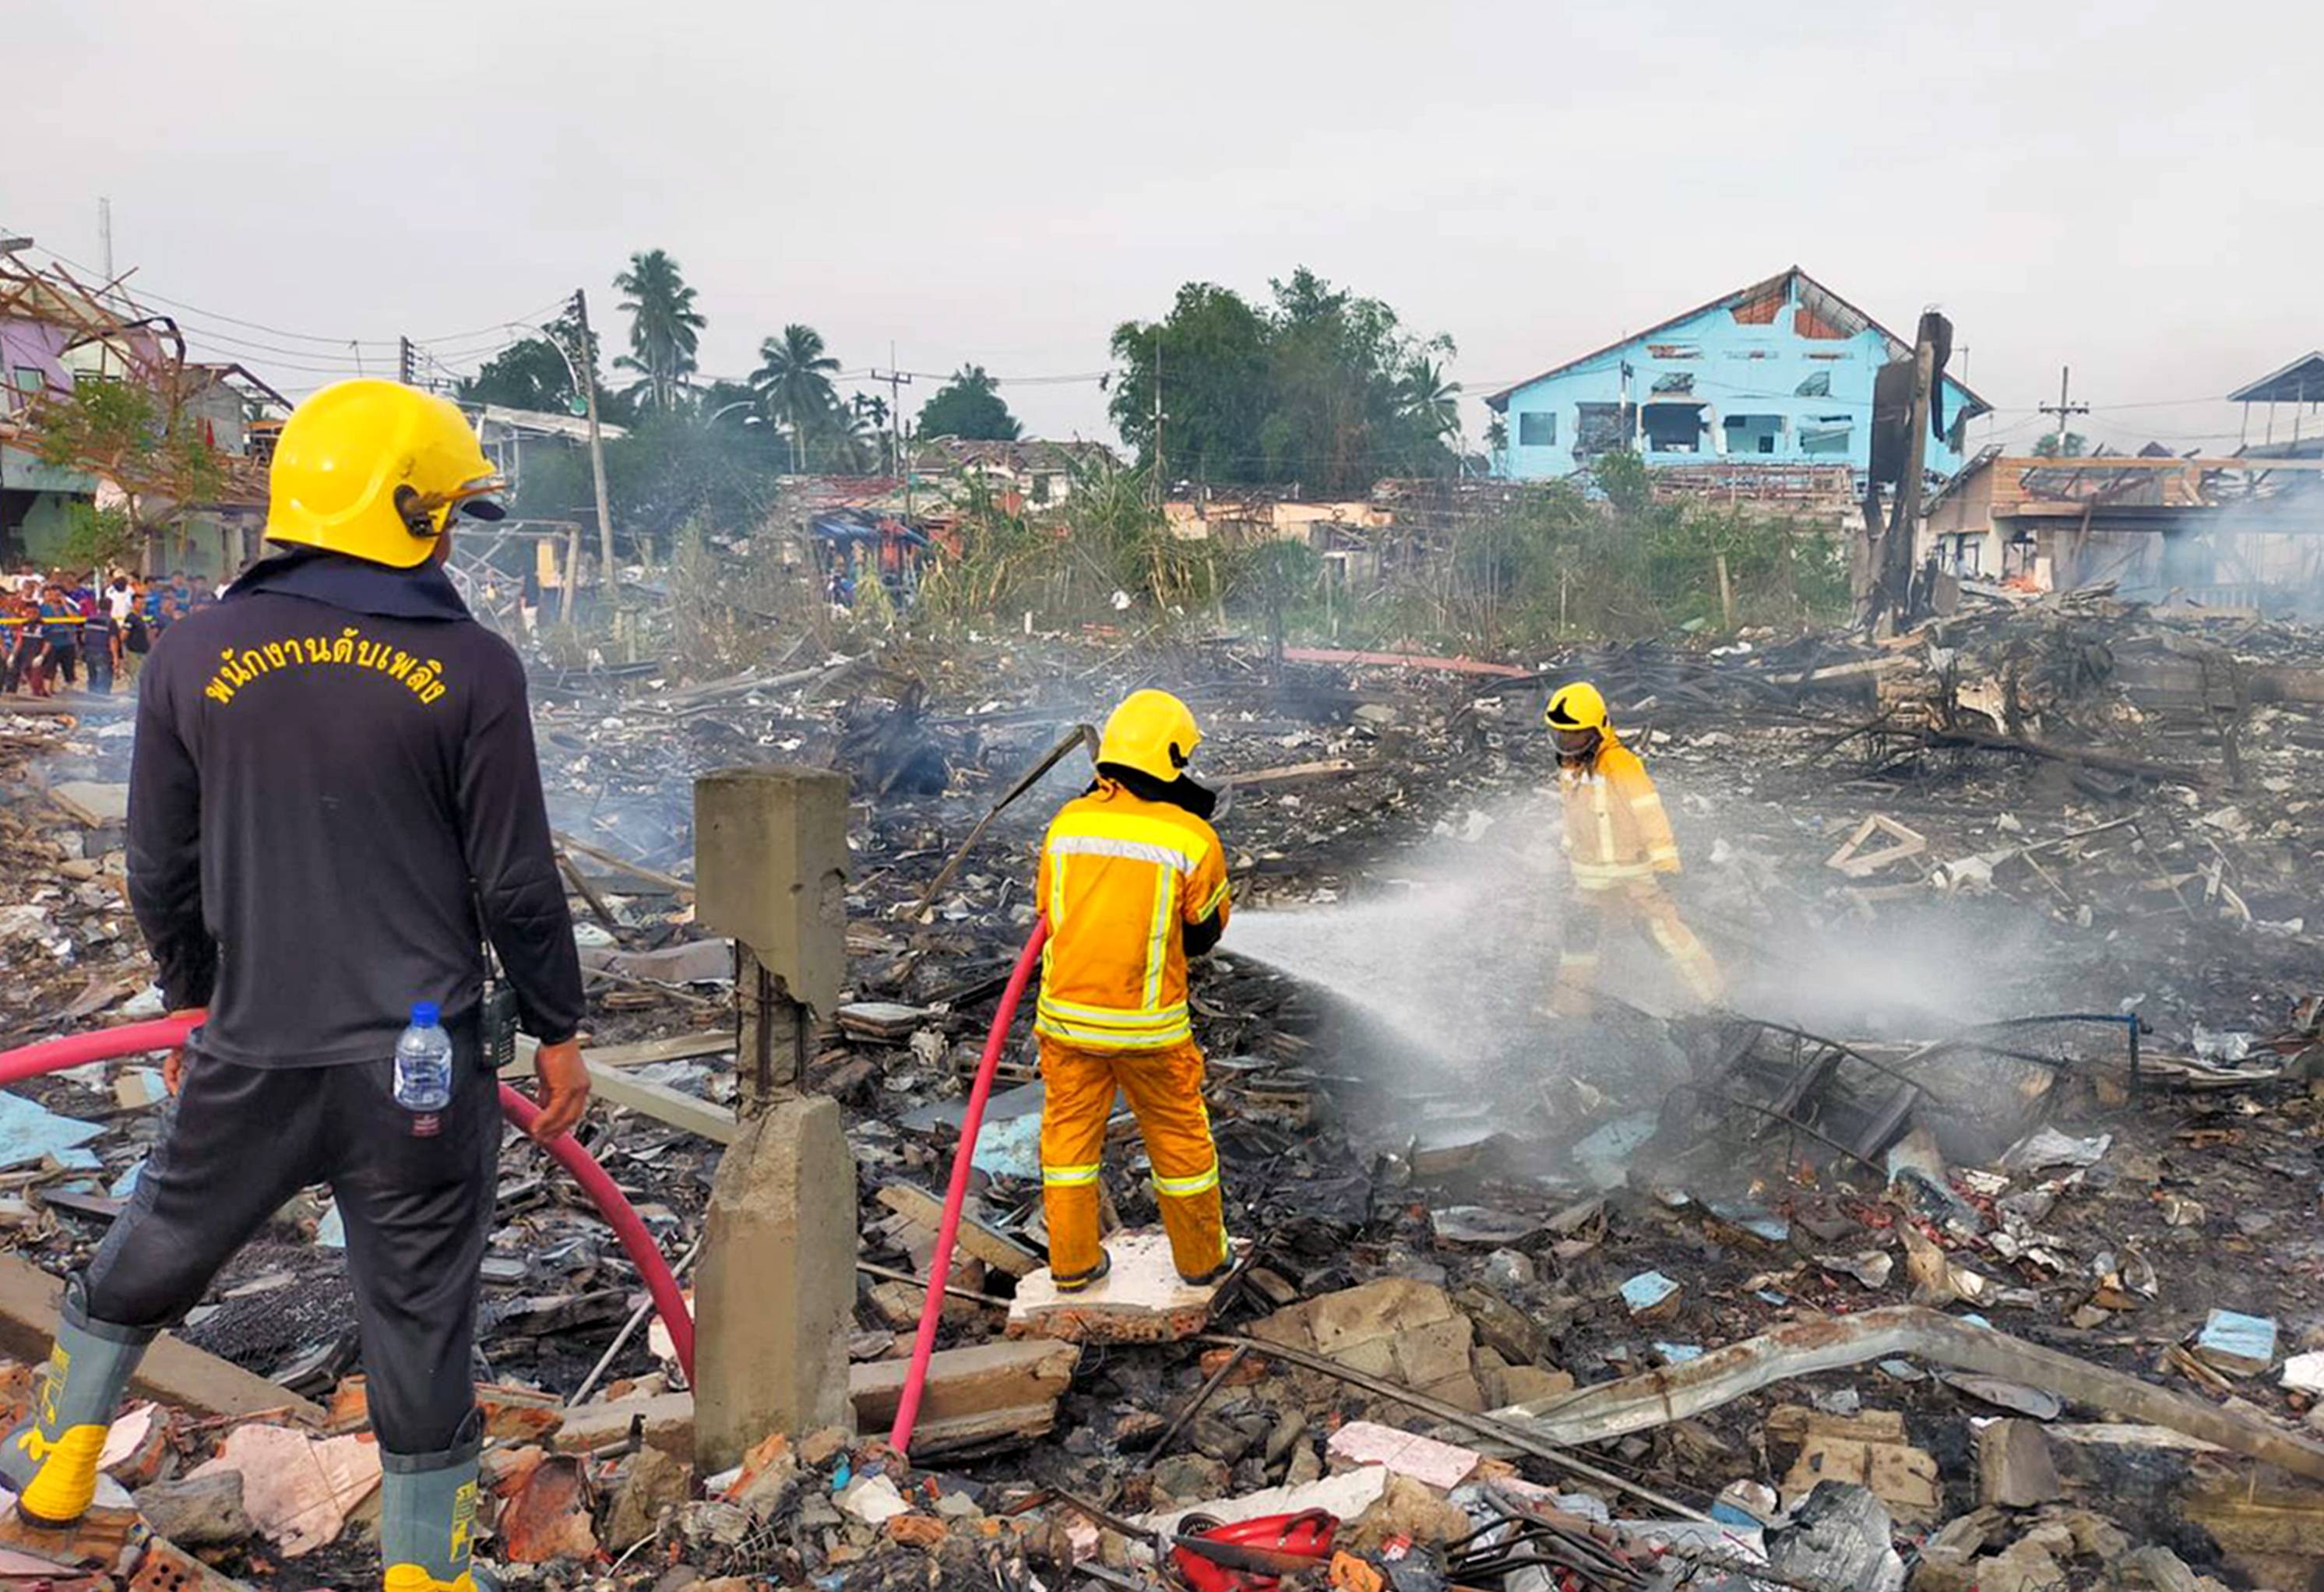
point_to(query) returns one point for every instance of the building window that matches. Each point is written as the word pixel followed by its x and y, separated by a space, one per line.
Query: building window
pixel 1041 488
pixel 1602 428
pixel 1674 428
pixel 1827 436
pixel 1753 433
pixel 1537 428
pixel 28 381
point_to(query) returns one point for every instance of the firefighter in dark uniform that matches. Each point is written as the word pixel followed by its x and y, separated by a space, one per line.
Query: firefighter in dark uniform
pixel 334 800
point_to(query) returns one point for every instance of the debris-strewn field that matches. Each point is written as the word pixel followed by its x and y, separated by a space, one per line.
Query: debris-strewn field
pixel 1975 1246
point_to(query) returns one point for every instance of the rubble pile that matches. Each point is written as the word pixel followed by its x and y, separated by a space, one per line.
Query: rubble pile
pixel 1870 1282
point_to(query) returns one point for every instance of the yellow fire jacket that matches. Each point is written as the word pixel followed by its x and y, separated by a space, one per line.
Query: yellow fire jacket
pixel 1119 875
pixel 1616 831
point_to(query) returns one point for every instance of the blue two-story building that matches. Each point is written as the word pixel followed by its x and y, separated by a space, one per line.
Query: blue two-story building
pixel 1776 373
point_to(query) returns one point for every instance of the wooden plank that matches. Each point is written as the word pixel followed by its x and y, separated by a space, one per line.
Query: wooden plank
pixel 1291 773
pixel 619 864
pixel 663 1104
pixel 172 1371
pixel 678 1047
pixel 989 1245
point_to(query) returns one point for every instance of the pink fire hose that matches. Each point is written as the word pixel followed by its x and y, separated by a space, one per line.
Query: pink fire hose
pixel 54 1055
pixel 924 1345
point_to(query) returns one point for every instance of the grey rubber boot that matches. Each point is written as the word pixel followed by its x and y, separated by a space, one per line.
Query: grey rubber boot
pixel 50 1459
pixel 427 1514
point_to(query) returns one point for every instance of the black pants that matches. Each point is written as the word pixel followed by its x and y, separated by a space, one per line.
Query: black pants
pixel 418 1208
pixel 62 656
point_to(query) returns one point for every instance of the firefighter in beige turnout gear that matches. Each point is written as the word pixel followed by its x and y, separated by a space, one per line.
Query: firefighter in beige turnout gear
pixel 1619 846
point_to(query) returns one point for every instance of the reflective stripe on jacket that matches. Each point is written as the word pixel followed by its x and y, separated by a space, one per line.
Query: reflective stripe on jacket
pixel 1119 877
pixel 1616 830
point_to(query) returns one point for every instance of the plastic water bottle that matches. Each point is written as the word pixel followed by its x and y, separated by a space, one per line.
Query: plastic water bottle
pixel 423 1062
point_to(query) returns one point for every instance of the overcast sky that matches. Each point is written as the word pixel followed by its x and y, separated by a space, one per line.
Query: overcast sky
pixel 2128 187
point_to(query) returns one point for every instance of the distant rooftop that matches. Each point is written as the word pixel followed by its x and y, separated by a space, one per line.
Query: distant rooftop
pixel 2301 382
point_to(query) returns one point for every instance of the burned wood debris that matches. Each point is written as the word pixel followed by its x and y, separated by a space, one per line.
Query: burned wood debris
pixel 1973 1247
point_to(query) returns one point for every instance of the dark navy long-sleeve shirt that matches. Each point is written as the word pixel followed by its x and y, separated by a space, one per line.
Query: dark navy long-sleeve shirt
pixel 333 797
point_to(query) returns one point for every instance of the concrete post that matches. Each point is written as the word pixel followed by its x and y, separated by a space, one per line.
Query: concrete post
pixel 776 1297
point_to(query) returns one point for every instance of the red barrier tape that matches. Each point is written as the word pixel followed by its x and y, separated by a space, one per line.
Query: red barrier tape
pixel 907 1412
pixel 103 1044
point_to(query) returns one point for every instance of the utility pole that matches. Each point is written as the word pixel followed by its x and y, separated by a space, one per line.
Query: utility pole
pixel 1161 492
pixel 105 237
pixel 406 369
pixel 587 376
pixel 2061 409
pixel 897 382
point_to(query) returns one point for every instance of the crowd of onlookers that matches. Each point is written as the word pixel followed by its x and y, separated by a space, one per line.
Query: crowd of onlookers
pixel 87 629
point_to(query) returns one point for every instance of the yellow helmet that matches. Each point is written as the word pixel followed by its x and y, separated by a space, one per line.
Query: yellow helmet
pixel 1151 732
pixel 345 458
pixel 1578 706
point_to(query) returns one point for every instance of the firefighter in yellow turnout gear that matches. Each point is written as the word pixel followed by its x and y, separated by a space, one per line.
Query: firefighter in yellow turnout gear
pixel 1133 881
pixel 1619 846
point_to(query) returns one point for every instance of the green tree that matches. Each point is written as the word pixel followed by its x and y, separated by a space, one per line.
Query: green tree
pixel 1323 388
pixel 125 433
pixel 794 381
pixel 2073 445
pixel 529 375
pixel 1208 360
pixel 665 329
pixel 1622 475
pixel 969 407
pixel 670 469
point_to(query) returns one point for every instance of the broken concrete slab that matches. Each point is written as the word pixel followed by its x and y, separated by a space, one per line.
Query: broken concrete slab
pixel 974 1394
pixel 1395 1328
pixel 1863 1452
pixel 667 1417
pixel 172 1371
pixel 204 1510
pixel 1142 1300
pixel 2013 1469
pixel 90 804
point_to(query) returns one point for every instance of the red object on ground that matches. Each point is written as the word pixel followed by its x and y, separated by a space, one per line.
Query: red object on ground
pixel 1407 660
pixel 1249 1546
pixel 54 1055
pixel 923 1344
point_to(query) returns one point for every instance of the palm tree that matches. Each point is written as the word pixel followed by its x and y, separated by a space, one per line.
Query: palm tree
pixel 665 329
pixel 854 444
pixel 871 412
pixel 1431 399
pixel 793 381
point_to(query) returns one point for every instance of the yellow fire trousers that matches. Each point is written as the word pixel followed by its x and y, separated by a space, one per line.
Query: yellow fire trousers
pixel 1645 907
pixel 1164 1089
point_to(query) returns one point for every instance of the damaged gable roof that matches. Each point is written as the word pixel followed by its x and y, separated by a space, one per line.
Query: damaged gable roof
pixel 1768 295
